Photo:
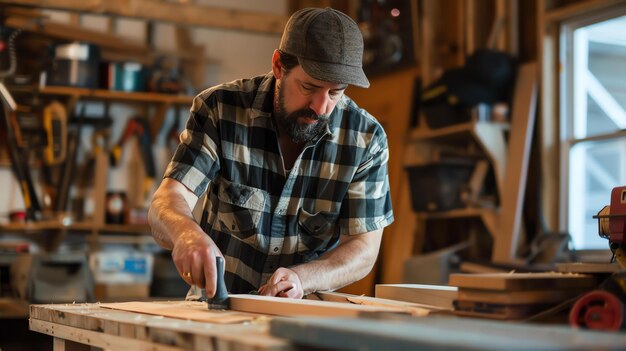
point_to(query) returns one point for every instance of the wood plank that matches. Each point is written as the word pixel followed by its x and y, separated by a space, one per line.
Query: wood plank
pixel 583 267
pixel 497 311
pixel 522 281
pixel 278 306
pixel 434 295
pixel 196 311
pixel 414 309
pixel 522 123
pixel 184 14
pixel 87 337
pixel 102 94
pixel 71 32
pixel 187 334
pixel 517 297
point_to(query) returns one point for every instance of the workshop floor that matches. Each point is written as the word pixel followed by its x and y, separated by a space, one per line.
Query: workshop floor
pixel 15 336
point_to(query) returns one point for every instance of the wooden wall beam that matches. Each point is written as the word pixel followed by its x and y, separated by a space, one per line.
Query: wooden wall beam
pixel 187 14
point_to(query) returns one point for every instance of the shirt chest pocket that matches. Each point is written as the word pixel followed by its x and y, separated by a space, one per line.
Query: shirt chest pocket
pixel 316 232
pixel 240 211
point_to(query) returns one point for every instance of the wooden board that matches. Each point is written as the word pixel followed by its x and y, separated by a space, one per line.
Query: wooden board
pixel 434 295
pixel 190 310
pixel 505 244
pixel 583 267
pixel 413 309
pixel 188 14
pixel 497 310
pixel 517 297
pixel 408 333
pixel 279 306
pixel 115 329
pixel 418 310
pixel 522 281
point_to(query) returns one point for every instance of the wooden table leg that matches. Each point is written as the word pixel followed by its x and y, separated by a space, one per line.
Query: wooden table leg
pixel 59 344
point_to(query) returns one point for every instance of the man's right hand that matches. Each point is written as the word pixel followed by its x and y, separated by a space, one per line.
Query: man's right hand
pixel 194 256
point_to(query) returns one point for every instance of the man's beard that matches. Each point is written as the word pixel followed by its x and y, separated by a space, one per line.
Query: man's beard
pixel 299 132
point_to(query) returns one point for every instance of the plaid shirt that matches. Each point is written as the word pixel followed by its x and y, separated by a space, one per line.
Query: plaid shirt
pixel 262 216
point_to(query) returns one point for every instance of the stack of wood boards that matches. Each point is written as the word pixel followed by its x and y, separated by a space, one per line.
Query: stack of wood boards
pixel 515 296
pixel 434 295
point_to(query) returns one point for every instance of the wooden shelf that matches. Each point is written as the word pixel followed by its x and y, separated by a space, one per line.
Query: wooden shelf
pixel 101 94
pixel 423 134
pixel 188 14
pixel 457 213
pixel 125 228
pixel 51 225
pixel 44 225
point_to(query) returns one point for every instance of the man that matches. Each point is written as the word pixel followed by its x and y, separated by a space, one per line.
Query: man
pixel 296 172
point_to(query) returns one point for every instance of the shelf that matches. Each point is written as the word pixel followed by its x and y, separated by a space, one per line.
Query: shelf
pixel 457 213
pixel 490 136
pixel 125 228
pixel 44 225
pixel 101 94
pixel 423 134
pixel 188 14
pixel 50 225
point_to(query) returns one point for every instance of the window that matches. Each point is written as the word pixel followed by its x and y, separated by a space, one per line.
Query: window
pixel 593 119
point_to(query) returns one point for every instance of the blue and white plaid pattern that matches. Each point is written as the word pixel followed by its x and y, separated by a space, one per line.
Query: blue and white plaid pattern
pixel 261 216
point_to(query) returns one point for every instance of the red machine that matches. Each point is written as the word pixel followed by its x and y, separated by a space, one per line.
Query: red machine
pixel 612 224
pixel 605 308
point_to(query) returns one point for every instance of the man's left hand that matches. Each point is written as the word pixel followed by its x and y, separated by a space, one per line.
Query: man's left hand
pixel 283 283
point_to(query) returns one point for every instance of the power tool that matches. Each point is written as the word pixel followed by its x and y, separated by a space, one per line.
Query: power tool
pixel 605 308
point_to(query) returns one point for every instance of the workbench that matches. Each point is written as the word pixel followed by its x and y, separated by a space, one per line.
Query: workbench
pixel 112 329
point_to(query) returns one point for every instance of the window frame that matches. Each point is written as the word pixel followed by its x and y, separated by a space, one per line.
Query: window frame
pixel 571 99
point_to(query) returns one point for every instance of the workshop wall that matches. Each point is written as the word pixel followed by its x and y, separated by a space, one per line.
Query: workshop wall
pixel 230 55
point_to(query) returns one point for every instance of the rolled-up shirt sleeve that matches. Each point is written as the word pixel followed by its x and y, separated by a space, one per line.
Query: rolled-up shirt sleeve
pixel 367 204
pixel 196 160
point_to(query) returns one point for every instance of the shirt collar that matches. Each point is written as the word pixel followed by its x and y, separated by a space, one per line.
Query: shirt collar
pixel 263 103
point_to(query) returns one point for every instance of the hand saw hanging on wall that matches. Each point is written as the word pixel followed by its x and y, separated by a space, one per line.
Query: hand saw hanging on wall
pixel 18 154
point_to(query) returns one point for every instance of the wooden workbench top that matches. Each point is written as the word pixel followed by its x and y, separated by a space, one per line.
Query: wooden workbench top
pixel 113 329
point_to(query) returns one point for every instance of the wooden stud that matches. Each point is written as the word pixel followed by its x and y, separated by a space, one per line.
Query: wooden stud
pixel 522 123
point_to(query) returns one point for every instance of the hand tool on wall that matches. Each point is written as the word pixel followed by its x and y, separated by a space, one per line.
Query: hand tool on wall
pixel 55 127
pixel 69 166
pixel 18 154
pixel 140 127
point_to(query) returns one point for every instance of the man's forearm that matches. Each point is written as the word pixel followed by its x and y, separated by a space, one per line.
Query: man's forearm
pixel 170 216
pixel 347 263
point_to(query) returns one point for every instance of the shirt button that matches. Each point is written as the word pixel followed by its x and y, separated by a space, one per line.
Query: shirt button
pixel 276 249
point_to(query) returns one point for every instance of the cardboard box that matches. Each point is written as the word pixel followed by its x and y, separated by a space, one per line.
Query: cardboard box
pixel 121 267
pixel 120 292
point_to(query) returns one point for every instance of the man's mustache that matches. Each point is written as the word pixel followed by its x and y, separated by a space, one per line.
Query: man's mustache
pixel 308 113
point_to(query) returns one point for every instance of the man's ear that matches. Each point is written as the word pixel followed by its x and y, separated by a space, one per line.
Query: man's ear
pixel 277 65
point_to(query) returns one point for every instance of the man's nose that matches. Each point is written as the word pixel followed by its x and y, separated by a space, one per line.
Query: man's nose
pixel 319 103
